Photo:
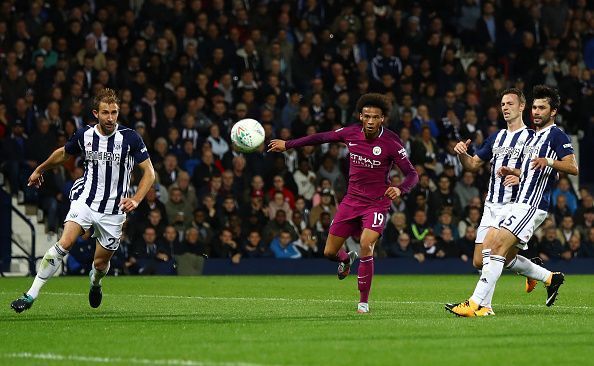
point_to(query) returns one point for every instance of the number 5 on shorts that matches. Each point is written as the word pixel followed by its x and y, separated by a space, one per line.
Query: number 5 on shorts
pixel 509 220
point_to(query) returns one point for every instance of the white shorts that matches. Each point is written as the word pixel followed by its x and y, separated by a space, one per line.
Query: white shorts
pixel 493 214
pixel 522 220
pixel 108 227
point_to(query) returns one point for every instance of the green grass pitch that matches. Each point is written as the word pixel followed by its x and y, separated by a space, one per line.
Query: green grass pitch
pixel 294 320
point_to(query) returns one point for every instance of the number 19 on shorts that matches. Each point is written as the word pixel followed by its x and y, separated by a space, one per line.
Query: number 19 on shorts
pixel 378 219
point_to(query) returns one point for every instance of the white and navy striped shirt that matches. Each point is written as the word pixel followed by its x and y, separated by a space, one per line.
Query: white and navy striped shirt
pixel 503 148
pixel 536 185
pixel 109 161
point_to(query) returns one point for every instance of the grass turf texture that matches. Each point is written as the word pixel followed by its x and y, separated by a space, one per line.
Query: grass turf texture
pixel 293 320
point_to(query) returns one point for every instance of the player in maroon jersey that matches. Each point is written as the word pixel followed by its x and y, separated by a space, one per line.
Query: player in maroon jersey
pixel 373 150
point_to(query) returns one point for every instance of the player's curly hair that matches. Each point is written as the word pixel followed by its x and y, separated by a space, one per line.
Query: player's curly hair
pixel 105 95
pixel 549 93
pixel 373 100
pixel 514 91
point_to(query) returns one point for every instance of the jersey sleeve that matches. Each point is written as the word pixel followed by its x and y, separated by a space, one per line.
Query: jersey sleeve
pixel 137 148
pixel 317 138
pixel 411 177
pixel 75 145
pixel 485 152
pixel 562 144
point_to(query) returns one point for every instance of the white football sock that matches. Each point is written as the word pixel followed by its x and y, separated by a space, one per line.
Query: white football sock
pixel 47 268
pixel 491 273
pixel 97 275
pixel 526 267
pixel 487 300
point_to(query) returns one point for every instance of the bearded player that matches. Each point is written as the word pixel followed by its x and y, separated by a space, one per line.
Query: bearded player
pixel 373 150
pixel 548 152
pixel 503 148
pixel 99 198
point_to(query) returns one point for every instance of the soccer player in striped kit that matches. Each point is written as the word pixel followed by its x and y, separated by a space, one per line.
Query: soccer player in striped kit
pixel 549 151
pixel 98 199
pixel 373 151
pixel 500 149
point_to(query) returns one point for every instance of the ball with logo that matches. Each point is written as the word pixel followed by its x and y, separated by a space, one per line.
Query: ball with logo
pixel 247 135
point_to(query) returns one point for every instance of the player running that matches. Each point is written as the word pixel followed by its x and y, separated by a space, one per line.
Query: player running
pixel 501 149
pixel 373 151
pixel 110 152
pixel 548 151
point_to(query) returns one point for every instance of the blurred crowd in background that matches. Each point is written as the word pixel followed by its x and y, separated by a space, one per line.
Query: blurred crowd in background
pixel 186 70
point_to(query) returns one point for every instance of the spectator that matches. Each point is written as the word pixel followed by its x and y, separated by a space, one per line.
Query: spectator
pixel 151 256
pixel 185 185
pixel 278 203
pixel 588 244
pixel 326 205
pixel 273 227
pixel 283 247
pixel 473 219
pixel 566 229
pixel 305 180
pixel 445 221
pixel 428 246
pixel 446 245
pixel 219 145
pixel 168 174
pixel 308 244
pixel 564 189
pixel 550 247
pixel 278 183
pixel 444 196
pixel 226 247
pixel 254 247
pixel 419 227
pixel 465 189
pixel 189 259
pixel 466 244
pixel 179 212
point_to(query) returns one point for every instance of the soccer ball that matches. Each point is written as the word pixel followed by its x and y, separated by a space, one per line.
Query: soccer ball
pixel 247 135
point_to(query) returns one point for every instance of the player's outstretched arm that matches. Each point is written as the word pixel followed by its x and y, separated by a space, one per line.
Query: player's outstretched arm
pixel 148 178
pixel 315 139
pixel 566 165
pixel 277 146
pixel 57 158
pixel 470 163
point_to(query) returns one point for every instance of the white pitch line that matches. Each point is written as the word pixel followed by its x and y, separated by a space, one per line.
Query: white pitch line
pixel 110 360
pixel 324 301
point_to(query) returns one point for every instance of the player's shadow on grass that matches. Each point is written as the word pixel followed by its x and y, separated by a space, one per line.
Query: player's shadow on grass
pixel 206 318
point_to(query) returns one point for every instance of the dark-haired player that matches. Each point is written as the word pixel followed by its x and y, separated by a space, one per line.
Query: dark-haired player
pixel 502 148
pixel 99 198
pixel 373 150
pixel 549 151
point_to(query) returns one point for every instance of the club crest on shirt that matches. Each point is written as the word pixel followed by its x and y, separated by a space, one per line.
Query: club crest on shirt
pixel 117 146
pixel 377 150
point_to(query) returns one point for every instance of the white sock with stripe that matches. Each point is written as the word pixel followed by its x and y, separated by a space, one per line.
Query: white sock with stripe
pixel 491 273
pixel 97 275
pixel 47 268
pixel 527 268
pixel 487 300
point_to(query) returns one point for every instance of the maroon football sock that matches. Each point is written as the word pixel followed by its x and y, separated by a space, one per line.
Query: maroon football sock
pixel 342 256
pixel 364 277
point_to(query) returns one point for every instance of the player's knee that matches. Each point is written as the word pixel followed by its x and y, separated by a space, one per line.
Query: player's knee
pixel 100 264
pixel 330 253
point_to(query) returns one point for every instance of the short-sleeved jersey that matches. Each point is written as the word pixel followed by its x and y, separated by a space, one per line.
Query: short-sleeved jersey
pixel 536 185
pixel 503 148
pixel 370 162
pixel 108 162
